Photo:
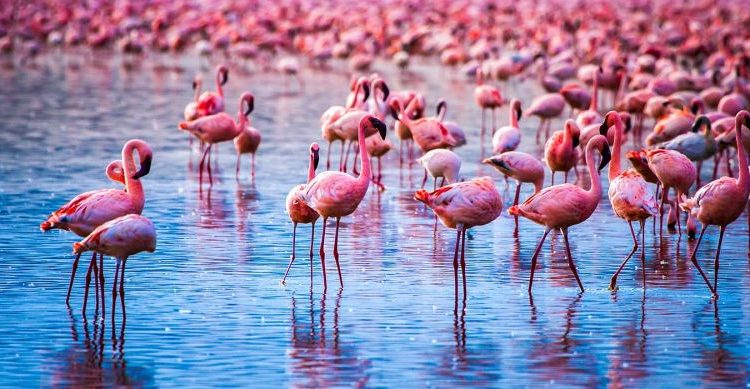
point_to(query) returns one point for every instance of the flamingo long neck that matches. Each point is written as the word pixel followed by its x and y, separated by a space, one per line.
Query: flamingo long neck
pixel 353 102
pixel 744 179
pixel 594 106
pixel 311 168
pixel 513 116
pixel 441 114
pixel 219 89
pixel 197 92
pixel 365 172
pixel 622 88
pixel 614 164
pixel 596 185
pixel 134 187
pixel 404 114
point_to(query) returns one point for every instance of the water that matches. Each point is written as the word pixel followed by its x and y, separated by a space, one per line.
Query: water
pixel 207 307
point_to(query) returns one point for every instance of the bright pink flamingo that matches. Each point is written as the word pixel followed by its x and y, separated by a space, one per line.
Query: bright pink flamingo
pixel 487 97
pixel 338 194
pixel 630 195
pixel 248 140
pixel 508 138
pixel 218 128
pixel 300 212
pixel 91 209
pixel 428 133
pixel 720 202
pixel 674 170
pixel 546 107
pixel 461 206
pixel 211 103
pixel 520 166
pixel 121 238
pixel 560 150
pixel 340 123
pixel 565 205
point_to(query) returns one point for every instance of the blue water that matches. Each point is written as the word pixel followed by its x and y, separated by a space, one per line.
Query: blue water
pixel 207 308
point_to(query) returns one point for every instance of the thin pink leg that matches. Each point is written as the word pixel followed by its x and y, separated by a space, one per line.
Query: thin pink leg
pixel 328 158
pixel 101 280
pixel 455 263
pixel 200 166
pixel 463 257
pixel 114 290
pixel 312 245
pixel 291 261
pixel 122 288
pixel 336 251
pixel 716 262
pixel 643 252
pixel 570 258
pixel 613 280
pixel 322 253
pixel 237 167
pixel 534 258
pixel 88 284
pixel 695 261
pixel 73 276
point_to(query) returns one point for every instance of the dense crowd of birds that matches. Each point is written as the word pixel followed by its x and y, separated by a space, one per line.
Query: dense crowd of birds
pixel 673 79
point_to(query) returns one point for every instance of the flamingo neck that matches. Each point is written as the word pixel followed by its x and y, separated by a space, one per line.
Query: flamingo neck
pixel 364 172
pixel 311 168
pixel 614 164
pixel 353 102
pixel 596 185
pixel 441 114
pixel 134 187
pixel 197 93
pixel 513 117
pixel 219 89
pixel 594 106
pixel 744 178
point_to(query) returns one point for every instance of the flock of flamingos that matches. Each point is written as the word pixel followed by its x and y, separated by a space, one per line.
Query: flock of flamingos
pixel 673 80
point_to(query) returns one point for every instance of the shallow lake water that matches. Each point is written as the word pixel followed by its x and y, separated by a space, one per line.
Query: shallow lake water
pixel 207 308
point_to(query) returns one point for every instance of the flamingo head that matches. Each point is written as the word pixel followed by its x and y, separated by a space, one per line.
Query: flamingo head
pixel 606 155
pixel 396 108
pixel 248 98
pixel 612 118
pixel 314 154
pixel 441 105
pixel 696 105
pixel 223 74
pixel 380 83
pixel 145 154
pixel 447 136
pixel 575 133
pixel 373 122
pixel 627 121
pixel 498 163
pixel 743 117
pixel 700 122
pixel 516 106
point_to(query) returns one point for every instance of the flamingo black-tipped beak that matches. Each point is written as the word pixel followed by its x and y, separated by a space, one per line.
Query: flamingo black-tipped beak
pixel 604 128
pixel 394 112
pixel 747 121
pixel 145 168
pixel 195 85
pixel 250 105
pixel 316 159
pixel 224 77
pixel 366 90
pixel 576 141
pixel 379 125
pixel 519 113
pixel 606 156
pixel 385 89
pixel 441 106
pixel 628 124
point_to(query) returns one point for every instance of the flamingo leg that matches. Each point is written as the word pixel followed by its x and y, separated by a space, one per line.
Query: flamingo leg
pixel 210 176
pixel 677 210
pixel 536 255
pixel 101 280
pixel 380 171
pixel 252 171
pixel 442 182
pixel 716 263
pixel 312 245
pixel 613 280
pixel 401 153
pixel 434 183
pixel 463 257
pixel 539 130
pixel 424 180
pixel 658 185
pixel 643 252
pixel 664 194
pixel 291 261
pixel 95 270
pixel 356 159
pixel 336 251
pixel 515 202
pixel 122 288
pixel 566 176
pixel 570 257
pixel 88 284
pixel 341 156
pixel 346 157
pixel 72 277
pixel 114 290
pixel 328 158
pixel 553 177
pixel 455 264
pixel 483 125
pixel 322 253
pixel 494 114
pixel 237 168
pixel 200 165
pixel 695 261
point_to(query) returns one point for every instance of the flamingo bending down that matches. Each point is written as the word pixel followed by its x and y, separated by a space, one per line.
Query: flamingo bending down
pixel 560 150
pixel 463 205
pixel 211 103
pixel 248 140
pixel 565 205
pixel 674 170
pixel 440 163
pixel 508 138
pixel 720 202
pixel 428 133
pixel 91 209
pixel 121 238
pixel 300 212
pixel 520 166
pixel 630 195
pixel 337 194
pixel 218 128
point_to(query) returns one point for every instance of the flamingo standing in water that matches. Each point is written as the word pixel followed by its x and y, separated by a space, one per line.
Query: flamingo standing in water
pixel 428 133
pixel 334 113
pixel 565 205
pixel 300 212
pixel 547 107
pixel 560 150
pixel 508 138
pixel 630 195
pixel 212 103
pixel 461 206
pixel 218 128
pixel 487 97
pixel 191 109
pixel 337 194
pixel 440 163
pixel 720 202
pixel 91 209
pixel 248 140
pixel 520 166
pixel 121 238
pixel 674 170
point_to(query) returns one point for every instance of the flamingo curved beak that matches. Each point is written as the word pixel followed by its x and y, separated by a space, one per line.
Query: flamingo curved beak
pixel 606 156
pixel 316 159
pixel 379 125
pixel 145 168
pixel 576 140
pixel 519 113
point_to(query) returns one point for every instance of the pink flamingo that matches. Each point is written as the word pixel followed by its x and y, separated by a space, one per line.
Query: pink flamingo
pixel 720 202
pixel 91 209
pixel 674 170
pixel 248 140
pixel 560 150
pixel 508 138
pixel 218 128
pixel 211 103
pixel 547 107
pixel 191 109
pixel 121 238
pixel 461 206
pixel 334 113
pixel 520 166
pixel 565 205
pixel 591 115
pixel 337 194
pixel 631 198
pixel 487 97
pixel 300 212
pixel 428 133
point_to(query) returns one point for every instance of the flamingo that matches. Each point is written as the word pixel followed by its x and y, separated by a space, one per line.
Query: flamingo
pixel 591 115
pixel 440 163
pixel 211 103
pixel 560 150
pixel 674 170
pixel 346 126
pixel 461 206
pixel 377 147
pixel 334 113
pixel 508 138
pixel 487 97
pixel 218 128
pixel 720 202
pixel 520 166
pixel 694 145
pixel 453 128
pixel 631 198
pixel 300 212
pixel 121 238
pixel 565 205
pixel 428 133
pixel 337 194
pixel 546 107
pixel 248 140
pixel 191 109
pixel 91 209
